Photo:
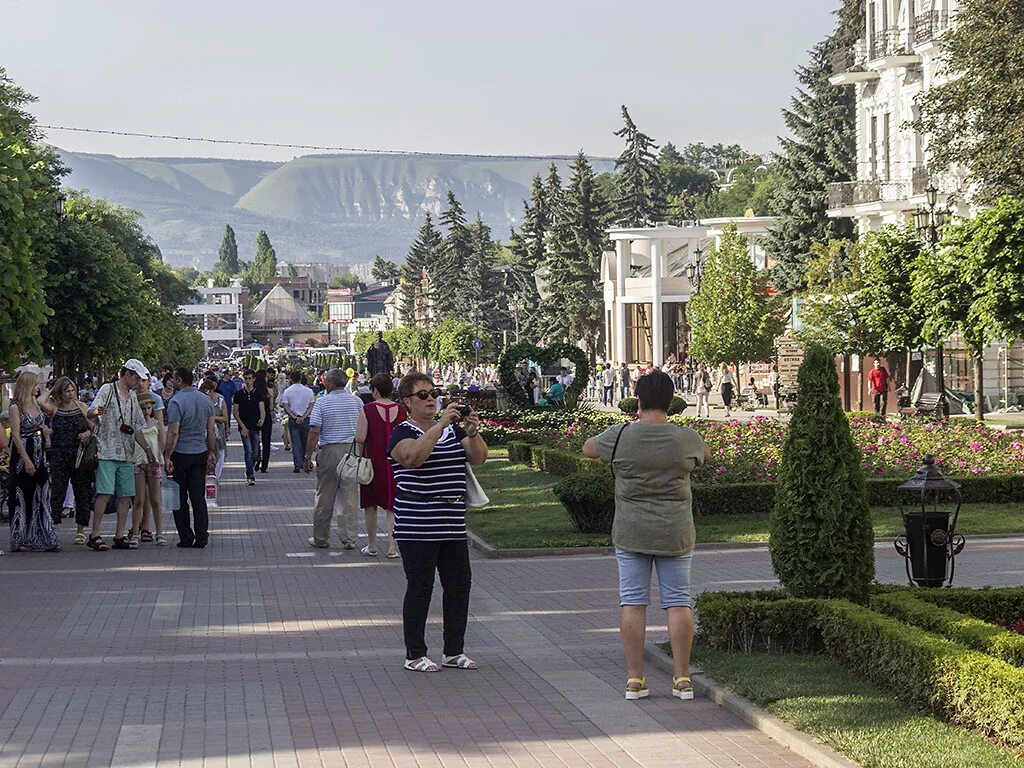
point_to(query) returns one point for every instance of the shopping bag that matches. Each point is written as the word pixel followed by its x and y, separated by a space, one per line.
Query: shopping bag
pixel 211 491
pixel 170 499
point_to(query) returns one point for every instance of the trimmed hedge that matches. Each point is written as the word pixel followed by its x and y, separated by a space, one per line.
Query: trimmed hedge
pixel 924 670
pixel 966 630
pixel 586 498
pixel 988 604
pixel 519 452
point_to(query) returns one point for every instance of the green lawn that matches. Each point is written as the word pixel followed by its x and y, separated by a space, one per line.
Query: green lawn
pixel 819 697
pixel 524 514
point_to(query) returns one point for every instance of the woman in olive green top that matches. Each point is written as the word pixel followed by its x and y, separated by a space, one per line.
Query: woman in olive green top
pixel 652 460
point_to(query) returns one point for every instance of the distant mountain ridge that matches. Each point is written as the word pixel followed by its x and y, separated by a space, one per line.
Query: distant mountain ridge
pixel 344 208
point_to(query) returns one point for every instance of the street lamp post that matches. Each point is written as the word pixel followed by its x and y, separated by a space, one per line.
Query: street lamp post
pixel 515 306
pixel 695 267
pixel 929 221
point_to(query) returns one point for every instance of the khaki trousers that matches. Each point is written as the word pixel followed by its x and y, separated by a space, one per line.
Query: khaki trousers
pixel 330 487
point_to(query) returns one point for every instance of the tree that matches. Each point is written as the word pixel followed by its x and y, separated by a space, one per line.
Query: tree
pixel 639 198
pixel 423 254
pixel 409 343
pixel 821 540
pixel 574 308
pixel 383 271
pixel 973 117
pixel 973 284
pixel 734 317
pixel 29 185
pixel 348 280
pixel 452 342
pixel 450 292
pixel 292 271
pixel 227 256
pixel 822 149
pixel 528 248
pixel 888 258
pixel 483 297
pixel 264 265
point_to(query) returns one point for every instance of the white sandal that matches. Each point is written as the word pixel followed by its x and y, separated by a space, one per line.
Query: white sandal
pixel 462 661
pixel 422 664
pixel 368 552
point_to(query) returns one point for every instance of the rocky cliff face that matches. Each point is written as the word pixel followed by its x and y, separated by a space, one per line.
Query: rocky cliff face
pixel 336 207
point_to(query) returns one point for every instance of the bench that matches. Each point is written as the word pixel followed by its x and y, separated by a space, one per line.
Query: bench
pixel 927 405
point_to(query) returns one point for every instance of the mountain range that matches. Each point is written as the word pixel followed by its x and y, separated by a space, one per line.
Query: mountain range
pixel 339 208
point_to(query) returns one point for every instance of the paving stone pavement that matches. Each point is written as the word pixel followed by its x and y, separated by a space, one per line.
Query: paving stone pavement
pixel 258 651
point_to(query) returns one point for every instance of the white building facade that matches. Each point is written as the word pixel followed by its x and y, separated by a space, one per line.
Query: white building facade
pixel 646 288
pixel 897 59
pixel 219 316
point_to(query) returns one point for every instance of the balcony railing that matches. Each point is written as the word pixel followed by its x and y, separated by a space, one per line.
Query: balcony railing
pixel 946 182
pixel 930 26
pixel 845 194
pixel 889 42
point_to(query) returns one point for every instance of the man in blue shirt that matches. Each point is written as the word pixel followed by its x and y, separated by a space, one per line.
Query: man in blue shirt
pixel 190 455
pixel 226 387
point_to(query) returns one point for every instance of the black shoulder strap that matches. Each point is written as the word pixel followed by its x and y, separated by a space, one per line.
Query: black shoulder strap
pixel 615 448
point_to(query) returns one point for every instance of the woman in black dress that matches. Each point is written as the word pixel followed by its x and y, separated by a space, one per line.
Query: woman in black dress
pixel 29 498
pixel 71 427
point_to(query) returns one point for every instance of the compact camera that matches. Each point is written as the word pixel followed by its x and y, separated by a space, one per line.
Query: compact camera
pixel 128 429
pixel 464 410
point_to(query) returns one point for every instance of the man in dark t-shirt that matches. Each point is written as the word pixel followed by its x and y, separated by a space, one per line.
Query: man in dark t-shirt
pixel 250 410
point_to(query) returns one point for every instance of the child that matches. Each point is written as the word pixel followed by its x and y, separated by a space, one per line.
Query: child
pixel 147 509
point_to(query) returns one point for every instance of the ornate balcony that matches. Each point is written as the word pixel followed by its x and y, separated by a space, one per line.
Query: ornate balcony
pixel 929 26
pixel 847 194
pixel 946 182
pixel 849 65
pixel 892 47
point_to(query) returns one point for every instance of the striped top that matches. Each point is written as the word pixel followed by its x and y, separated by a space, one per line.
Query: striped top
pixel 430 500
pixel 336 413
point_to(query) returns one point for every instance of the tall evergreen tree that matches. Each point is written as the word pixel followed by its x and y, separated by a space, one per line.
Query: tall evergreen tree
pixel 383 271
pixel 227 261
pixel 484 302
pixel 528 247
pixel 822 149
pixel 423 254
pixel 447 284
pixel 574 308
pixel 640 194
pixel 265 263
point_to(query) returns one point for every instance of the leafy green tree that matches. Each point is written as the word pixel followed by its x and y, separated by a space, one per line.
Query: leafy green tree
pixel 264 265
pixel 820 539
pixel 574 309
pixel 821 149
pixel 409 343
pixel 383 271
pixel 973 117
pixel 734 316
pixel 348 280
pixel 190 275
pixel 639 199
pixel 292 271
pixel 29 174
pixel 227 256
pixel 452 342
pixel 889 256
pixel 423 254
pixel 973 284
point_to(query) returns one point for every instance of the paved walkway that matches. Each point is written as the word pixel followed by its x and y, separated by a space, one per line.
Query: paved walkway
pixel 259 651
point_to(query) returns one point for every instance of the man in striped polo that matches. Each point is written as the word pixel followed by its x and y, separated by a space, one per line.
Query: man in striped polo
pixel 332 424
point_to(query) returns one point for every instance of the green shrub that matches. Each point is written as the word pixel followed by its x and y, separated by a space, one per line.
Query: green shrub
pixel 561 463
pixel 629 405
pixel 519 452
pixel 966 630
pixel 537 456
pixel 967 687
pixel 762 621
pixel 821 540
pixel 733 499
pixel 988 604
pixel 677 406
pixel 589 498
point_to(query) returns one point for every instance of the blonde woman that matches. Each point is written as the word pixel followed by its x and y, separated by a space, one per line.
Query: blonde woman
pixel 727 384
pixel 147 507
pixel 220 421
pixel 29 497
pixel 71 427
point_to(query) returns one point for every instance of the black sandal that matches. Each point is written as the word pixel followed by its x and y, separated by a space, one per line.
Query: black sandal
pixel 121 542
pixel 97 543
pixel 146 536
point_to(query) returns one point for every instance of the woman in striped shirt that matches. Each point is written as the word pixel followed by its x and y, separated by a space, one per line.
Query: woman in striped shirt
pixel 429 461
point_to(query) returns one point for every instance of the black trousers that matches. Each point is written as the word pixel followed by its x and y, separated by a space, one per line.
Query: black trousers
pixel 881 402
pixel 62 471
pixel 451 561
pixel 190 474
pixel 267 431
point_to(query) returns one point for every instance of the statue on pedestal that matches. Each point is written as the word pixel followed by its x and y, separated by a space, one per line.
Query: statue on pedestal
pixel 379 358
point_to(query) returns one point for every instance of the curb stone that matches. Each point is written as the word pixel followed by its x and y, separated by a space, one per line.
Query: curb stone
pixel 796 741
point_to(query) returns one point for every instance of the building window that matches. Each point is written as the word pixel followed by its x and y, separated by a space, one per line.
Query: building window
pixel 676 332
pixel 639 334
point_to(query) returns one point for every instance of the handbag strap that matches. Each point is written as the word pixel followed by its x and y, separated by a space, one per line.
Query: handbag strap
pixel 615 448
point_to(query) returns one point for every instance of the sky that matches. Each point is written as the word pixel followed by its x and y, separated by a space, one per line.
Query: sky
pixel 529 77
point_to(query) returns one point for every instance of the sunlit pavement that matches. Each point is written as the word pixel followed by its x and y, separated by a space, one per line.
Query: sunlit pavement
pixel 259 651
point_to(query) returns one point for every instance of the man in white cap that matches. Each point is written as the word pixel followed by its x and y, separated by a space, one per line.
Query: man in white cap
pixel 119 430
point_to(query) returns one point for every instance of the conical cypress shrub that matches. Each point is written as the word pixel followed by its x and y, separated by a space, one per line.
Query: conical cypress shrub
pixel 821 544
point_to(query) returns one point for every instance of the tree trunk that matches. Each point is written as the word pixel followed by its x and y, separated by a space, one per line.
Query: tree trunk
pixel 860 383
pixel 979 387
pixel 846 382
pixel 910 355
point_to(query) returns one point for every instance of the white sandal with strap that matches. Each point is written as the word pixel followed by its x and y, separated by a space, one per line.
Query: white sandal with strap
pixel 462 661
pixel 422 664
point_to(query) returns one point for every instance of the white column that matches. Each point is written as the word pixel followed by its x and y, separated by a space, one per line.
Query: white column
pixel 622 249
pixel 658 334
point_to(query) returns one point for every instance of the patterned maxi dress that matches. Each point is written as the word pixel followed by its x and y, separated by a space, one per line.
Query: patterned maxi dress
pixel 29 498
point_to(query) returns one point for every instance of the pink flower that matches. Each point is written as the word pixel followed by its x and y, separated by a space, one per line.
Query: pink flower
pixel 975 446
pixel 720 469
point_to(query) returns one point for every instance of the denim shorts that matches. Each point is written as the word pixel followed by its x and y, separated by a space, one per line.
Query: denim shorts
pixel 635 578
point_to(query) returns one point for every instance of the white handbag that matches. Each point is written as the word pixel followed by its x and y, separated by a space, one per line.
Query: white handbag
pixel 475 496
pixel 355 468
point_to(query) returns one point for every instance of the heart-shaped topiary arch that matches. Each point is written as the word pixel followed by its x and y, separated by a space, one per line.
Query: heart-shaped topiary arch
pixel 543 356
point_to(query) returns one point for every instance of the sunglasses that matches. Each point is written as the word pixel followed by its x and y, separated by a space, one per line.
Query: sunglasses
pixel 425 393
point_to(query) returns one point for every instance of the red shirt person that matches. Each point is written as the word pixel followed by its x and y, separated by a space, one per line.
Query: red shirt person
pixel 878 379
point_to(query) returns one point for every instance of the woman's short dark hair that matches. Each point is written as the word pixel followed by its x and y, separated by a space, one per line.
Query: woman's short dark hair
pixel 654 390
pixel 383 383
pixel 408 384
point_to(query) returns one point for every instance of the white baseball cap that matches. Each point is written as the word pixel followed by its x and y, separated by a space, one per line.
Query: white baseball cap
pixel 136 366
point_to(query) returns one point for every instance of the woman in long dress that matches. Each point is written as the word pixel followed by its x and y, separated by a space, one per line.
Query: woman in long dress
pixel 29 498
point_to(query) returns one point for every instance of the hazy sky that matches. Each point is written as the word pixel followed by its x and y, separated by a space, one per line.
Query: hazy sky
pixel 520 77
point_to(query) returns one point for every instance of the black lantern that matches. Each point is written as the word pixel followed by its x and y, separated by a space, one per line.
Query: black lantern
pixel 930 505
pixel 58 206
